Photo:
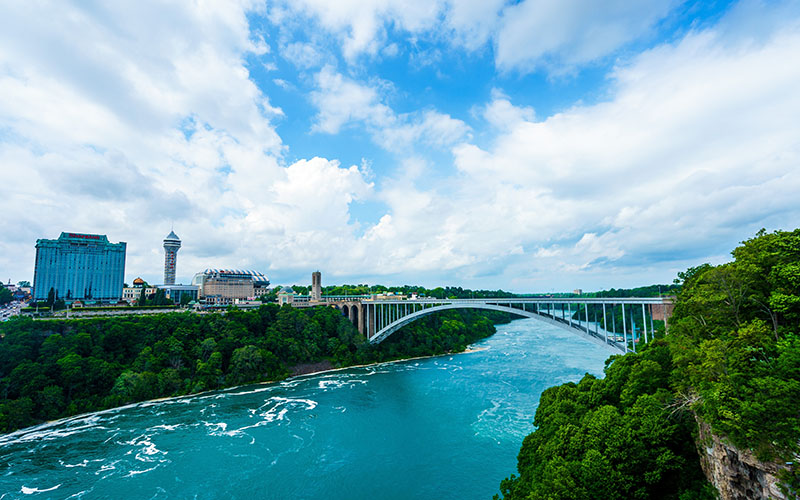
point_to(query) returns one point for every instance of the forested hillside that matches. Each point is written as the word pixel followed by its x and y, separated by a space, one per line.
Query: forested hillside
pixel 731 361
pixel 51 369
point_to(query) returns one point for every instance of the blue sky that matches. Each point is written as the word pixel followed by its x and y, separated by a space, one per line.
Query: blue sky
pixel 534 145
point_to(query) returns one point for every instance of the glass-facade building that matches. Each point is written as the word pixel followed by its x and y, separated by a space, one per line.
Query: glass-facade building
pixel 79 266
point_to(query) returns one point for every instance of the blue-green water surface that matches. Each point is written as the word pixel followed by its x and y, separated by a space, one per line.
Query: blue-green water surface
pixel 446 428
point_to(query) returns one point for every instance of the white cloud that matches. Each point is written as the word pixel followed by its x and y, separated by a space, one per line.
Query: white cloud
pixel 115 121
pixel 695 150
pixel 124 120
pixel 303 55
pixel 342 102
pixel 473 22
pixel 556 35
pixel 501 114
pixel 561 34
pixel 361 26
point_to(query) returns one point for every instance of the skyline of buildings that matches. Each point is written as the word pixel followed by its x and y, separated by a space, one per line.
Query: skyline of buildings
pixel 88 268
pixel 215 286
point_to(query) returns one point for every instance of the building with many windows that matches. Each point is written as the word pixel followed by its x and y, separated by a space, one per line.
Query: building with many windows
pixel 79 266
pixel 180 294
pixel 226 286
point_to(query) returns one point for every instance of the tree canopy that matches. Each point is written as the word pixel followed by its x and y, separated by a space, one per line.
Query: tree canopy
pixel 731 361
pixel 55 368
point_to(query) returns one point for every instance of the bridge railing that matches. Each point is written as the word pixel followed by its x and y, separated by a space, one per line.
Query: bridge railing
pixel 383 316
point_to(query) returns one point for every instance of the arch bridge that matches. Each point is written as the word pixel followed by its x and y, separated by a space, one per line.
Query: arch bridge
pixel 378 319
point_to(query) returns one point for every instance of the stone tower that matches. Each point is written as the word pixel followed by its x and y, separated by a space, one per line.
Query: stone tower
pixel 171 246
pixel 316 286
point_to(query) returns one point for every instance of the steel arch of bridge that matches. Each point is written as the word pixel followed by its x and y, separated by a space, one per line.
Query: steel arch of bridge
pixel 381 318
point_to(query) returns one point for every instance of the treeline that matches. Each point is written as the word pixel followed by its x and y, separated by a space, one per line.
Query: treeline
pixel 51 369
pixel 5 295
pixel 731 361
pixel 446 292
pixel 642 291
pixel 457 292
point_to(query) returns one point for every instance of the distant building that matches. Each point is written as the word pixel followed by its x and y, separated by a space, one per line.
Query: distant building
pixel 132 294
pixel 578 291
pixel 176 293
pixel 225 286
pixel 316 286
pixel 79 266
pixel 286 295
pixel 171 246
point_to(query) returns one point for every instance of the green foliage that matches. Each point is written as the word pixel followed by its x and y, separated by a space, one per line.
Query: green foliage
pixel 5 296
pixel 50 369
pixel 612 438
pixel 736 346
pixel 732 359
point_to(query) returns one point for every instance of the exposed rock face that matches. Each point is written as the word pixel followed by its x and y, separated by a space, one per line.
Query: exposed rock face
pixel 737 474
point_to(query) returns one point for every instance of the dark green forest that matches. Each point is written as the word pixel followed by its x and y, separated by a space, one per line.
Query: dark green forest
pixel 55 368
pixel 731 361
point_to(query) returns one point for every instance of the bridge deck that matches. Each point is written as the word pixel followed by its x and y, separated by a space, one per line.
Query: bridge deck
pixel 379 318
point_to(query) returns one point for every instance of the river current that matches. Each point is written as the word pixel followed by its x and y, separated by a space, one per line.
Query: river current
pixel 447 427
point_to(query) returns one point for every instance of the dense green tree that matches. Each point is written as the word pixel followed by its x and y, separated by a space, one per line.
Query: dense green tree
pixel 5 296
pixel 53 368
pixel 614 437
pixel 731 361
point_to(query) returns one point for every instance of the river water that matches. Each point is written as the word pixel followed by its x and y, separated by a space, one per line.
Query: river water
pixel 447 428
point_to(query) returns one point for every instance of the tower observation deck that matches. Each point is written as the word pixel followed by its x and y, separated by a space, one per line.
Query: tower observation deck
pixel 171 246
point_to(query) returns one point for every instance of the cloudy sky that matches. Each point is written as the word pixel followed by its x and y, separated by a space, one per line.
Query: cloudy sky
pixel 533 145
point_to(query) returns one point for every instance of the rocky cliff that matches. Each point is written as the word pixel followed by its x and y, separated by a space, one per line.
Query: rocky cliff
pixel 737 474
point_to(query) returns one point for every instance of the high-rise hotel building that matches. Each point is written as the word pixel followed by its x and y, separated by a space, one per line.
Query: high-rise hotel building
pixel 79 266
pixel 171 246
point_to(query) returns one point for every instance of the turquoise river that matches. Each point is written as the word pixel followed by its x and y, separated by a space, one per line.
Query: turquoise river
pixel 448 427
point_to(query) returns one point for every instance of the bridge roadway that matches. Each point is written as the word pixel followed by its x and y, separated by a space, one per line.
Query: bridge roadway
pixel 377 319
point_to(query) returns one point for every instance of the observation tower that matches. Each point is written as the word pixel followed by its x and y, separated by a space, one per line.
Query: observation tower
pixel 171 246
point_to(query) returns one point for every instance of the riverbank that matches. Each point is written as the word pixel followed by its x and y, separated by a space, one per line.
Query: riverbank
pixel 303 370
pixel 143 358
pixel 308 369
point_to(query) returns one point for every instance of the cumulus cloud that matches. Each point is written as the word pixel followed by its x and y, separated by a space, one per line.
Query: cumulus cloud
pixel 696 148
pixel 343 102
pixel 114 121
pixel 123 120
pixel 360 26
pixel 558 36
pixel 563 34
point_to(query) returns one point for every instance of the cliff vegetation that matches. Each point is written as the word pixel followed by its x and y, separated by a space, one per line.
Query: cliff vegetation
pixel 730 364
